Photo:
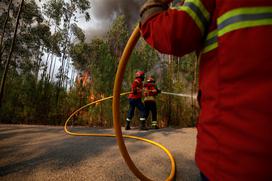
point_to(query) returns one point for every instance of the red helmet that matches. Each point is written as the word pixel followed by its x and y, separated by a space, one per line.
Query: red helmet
pixel 140 74
pixel 150 79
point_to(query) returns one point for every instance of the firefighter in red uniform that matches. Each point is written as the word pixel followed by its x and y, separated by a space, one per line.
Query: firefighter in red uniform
pixel 150 91
pixel 135 100
pixel 233 40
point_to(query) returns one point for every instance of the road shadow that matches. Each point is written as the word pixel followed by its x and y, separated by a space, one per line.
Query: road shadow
pixel 25 149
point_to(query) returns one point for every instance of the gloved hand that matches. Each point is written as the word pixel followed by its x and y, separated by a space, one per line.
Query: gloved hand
pixel 134 91
pixel 152 7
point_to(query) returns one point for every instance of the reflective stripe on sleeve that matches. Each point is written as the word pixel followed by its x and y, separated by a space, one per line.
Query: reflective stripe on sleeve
pixel 211 42
pixel 197 11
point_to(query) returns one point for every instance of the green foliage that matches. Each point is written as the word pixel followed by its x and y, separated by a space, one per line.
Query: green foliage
pixel 82 5
pixel 80 55
pixel 31 12
pixel 54 9
pixel 78 32
pixel 28 102
pixel 30 96
pixel 55 40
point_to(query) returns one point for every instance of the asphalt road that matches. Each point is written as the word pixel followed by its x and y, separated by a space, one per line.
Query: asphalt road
pixel 47 153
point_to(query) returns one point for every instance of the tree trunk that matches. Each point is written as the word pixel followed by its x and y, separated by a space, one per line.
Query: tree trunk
pixel 50 68
pixel 53 70
pixel 67 67
pixel 39 61
pixel 10 54
pixel 66 44
pixel 3 34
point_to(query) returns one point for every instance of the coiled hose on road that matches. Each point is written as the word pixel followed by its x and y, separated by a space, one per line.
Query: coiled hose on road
pixel 116 115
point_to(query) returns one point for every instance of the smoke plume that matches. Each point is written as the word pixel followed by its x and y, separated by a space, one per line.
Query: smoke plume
pixel 103 12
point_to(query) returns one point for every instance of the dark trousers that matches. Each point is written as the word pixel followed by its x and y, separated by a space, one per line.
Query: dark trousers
pixel 151 106
pixel 139 105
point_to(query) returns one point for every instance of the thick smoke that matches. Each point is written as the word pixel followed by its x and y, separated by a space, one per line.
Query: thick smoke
pixel 103 13
pixel 105 9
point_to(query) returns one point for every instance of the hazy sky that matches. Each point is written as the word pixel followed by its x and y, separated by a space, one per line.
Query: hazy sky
pixel 104 11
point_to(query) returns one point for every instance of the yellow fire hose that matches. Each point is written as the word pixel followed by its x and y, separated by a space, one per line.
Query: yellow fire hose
pixel 116 114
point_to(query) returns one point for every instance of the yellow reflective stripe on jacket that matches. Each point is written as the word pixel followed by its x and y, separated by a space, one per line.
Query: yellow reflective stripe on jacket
pixel 244 18
pixel 197 11
pixel 202 8
pixel 238 19
pixel 149 98
pixel 211 42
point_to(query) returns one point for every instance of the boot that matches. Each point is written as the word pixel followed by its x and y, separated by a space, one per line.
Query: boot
pixel 154 125
pixel 127 125
pixel 143 126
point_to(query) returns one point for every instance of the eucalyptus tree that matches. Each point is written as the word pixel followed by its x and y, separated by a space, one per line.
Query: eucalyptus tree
pixel 62 17
pixel 32 34
pixel 4 28
pixel 3 80
pixel 71 9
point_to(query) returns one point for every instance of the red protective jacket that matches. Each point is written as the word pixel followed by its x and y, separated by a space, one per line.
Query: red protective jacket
pixel 234 140
pixel 136 89
pixel 150 91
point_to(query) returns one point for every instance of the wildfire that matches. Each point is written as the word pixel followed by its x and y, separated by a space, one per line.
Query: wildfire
pixel 91 97
pixel 83 79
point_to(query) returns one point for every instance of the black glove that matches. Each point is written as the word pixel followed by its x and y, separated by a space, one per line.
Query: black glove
pixel 152 7
pixel 159 91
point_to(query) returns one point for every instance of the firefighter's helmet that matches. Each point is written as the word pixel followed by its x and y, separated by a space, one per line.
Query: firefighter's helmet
pixel 140 74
